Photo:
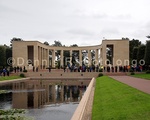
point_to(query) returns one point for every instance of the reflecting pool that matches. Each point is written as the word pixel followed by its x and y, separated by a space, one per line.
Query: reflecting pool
pixel 43 99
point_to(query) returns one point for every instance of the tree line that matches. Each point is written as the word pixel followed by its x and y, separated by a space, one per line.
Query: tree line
pixel 140 52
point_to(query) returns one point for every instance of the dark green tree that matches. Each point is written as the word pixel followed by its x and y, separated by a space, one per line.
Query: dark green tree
pixel 8 56
pixel 2 56
pixel 15 39
pixel 133 43
pixel 134 54
pixel 74 45
pixel 57 43
pixel 141 52
pixel 46 43
pixel 147 53
pixel 148 36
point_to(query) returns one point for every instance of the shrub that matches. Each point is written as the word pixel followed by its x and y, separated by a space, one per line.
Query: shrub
pixel 131 70
pixel 148 72
pixel 100 74
pixel 100 70
pixel 25 71
pixel 132 73
pixel 22 75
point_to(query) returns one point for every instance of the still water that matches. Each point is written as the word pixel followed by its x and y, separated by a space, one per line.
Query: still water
pixel 43 100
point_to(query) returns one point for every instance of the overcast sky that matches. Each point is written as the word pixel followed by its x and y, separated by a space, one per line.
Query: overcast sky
pixel 81 22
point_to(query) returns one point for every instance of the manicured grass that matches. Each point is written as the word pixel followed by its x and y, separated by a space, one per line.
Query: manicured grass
pixel 143 75
pixel 2 78
pixel 116 101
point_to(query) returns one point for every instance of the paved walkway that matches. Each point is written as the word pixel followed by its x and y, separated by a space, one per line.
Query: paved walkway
pixel 138 83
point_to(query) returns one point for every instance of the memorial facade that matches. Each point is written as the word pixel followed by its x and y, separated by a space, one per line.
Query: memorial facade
pixel 34 53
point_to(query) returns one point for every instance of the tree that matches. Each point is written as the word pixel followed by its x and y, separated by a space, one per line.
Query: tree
pixel 74 45
pixel 135 51
pixel 46 43
pixel 57 43
pixel 133 43
pixel 148 36
pixel 147 53
pixel 2 56
pixel 141 52
pixel 15 39
pixel 8 56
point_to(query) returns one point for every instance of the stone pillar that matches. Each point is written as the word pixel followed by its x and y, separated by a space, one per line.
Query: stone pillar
pixel 47 57
pixel 80 57
pixel 39 57
pixel 35 53
pixel 43 58
pixel 62 56
pixel 70 57
pixel 101 58
pixel 53 58
pixel 89 57
pixel 96 57
pixel 104 62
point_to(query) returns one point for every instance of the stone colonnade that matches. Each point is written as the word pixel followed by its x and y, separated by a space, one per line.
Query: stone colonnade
pixel 42 56
pixel 68 59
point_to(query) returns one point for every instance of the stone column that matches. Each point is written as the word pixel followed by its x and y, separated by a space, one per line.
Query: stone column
pixel 101 58
pixel 96 57
pixel 47 56
pixel 39 57
pixel 80 57
pixel 104 62
pixel 35 53
pixel 70 57
pixel 53 58
pixel 89 57
pixel 62 56
pixel 43 58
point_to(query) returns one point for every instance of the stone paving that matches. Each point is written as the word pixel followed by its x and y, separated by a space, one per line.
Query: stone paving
pixel 138 83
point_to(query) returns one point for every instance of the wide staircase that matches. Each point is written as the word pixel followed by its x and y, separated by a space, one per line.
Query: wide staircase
pixel 59 73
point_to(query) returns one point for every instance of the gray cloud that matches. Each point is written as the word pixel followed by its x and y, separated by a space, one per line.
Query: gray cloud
pixel 82 22
pixel 82 32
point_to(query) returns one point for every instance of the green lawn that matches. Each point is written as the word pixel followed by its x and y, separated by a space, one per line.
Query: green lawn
pixel 2 78
pixel 143 75
pixel 116 101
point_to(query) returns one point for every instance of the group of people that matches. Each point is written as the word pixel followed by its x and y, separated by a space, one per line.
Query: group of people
pixel 108 68
pixel 126 68
pixel 4 72
pixel 82 68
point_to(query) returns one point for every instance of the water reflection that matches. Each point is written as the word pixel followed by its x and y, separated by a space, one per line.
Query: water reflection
pixel 37 93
